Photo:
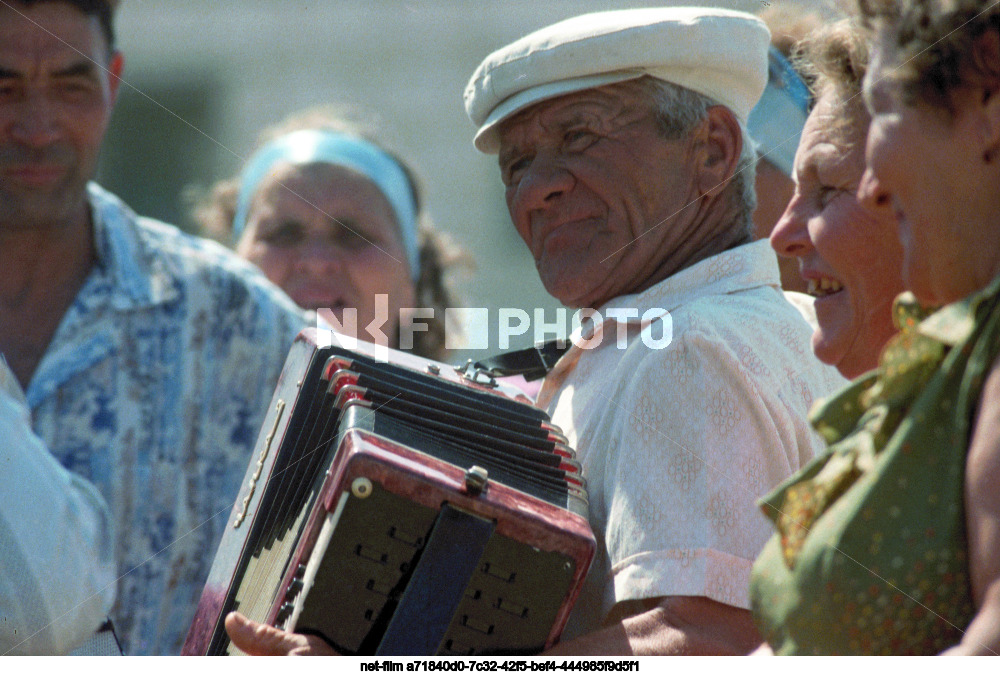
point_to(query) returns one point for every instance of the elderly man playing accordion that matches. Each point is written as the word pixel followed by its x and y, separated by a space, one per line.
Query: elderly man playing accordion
pixel 630 176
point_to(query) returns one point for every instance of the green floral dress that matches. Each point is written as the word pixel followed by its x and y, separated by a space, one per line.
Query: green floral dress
pixel 870 554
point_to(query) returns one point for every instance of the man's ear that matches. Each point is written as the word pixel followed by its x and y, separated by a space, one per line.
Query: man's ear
pixel 988 126
pixel 717 150
pixel 991 122
pixel 986 54
pixel 115 67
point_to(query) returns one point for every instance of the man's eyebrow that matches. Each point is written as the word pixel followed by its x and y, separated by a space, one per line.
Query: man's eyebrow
pixel 81 68
pixel 76 69
pixel 568 117
pixel 505 155
pixel 85 68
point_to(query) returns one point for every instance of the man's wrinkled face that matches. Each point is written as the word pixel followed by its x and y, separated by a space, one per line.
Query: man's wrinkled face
pixel 57 87
pixel 596 191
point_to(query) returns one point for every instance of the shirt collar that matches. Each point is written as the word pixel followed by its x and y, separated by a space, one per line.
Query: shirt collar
pixel 8 382
pixel 139 277
pixel 734 270
pixel 737 269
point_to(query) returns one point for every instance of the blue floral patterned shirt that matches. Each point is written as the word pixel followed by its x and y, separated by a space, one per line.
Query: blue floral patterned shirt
pixel 154 388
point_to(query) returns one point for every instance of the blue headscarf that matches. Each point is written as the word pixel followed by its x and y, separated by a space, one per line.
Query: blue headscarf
pixel 309 146
pixel 776 122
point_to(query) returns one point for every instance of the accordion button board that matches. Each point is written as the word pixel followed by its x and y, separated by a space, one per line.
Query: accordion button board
pixel 397 507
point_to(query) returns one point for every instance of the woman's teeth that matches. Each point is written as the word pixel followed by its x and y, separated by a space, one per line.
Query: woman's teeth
pixel 824 286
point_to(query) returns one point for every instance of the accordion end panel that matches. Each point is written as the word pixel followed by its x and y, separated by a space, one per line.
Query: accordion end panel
pixel 382 507
pixel 277 422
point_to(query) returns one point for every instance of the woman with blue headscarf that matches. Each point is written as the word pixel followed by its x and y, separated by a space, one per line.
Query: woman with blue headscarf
pixel 334 220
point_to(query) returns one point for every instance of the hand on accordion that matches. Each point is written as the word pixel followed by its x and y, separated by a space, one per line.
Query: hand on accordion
pixel 258 639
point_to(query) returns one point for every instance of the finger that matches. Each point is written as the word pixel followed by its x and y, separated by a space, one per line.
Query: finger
pixel 313 645
pixel 259 639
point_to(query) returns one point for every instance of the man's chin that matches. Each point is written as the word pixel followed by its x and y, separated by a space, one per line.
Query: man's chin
pixel 575 285
pixel 39 209
pixel 570 295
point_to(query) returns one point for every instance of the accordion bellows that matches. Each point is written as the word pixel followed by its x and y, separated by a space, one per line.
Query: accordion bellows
pixel 401 507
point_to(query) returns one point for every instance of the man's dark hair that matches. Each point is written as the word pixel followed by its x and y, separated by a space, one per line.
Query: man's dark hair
pixel 102 9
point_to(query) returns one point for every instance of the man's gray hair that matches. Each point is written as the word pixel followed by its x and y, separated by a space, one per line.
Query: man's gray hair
pixel 679 110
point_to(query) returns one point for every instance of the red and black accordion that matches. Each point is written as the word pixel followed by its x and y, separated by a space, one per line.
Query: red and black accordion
pixel 399 506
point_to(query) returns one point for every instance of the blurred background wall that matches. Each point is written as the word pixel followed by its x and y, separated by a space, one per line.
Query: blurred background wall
pixel 203 77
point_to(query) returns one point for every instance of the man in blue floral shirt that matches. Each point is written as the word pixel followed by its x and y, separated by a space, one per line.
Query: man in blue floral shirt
pixel 148 357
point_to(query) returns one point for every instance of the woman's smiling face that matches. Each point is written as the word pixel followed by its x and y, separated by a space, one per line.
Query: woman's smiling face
pixel 848 253
pixel 928 165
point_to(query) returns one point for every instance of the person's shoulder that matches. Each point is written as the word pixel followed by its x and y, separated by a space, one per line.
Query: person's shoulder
pixel 197 266
pixel 758 315
pixel 758 299
pixel 190 253
pixel 205 261
pixel 760 333
pixel 755 331
pixel 805 305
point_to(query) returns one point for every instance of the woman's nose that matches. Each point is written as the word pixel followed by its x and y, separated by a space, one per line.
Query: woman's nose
pixel 320 255
pixel 871 193
pixel 790 236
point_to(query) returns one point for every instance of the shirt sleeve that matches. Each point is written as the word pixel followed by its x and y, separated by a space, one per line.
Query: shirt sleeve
pixel 702 432
pixel 57 572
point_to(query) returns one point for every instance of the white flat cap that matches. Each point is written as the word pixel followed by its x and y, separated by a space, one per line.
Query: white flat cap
pixel 719 53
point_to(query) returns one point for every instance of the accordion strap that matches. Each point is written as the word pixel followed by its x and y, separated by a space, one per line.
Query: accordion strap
pixel 533 363
pixel 446 565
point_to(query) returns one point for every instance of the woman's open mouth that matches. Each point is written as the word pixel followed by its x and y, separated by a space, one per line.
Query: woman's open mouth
pixel 824 286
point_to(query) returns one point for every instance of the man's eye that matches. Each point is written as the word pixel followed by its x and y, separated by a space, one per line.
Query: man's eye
pixel 515 168
pixel 76 87
pixel 8 89
pixel 576 139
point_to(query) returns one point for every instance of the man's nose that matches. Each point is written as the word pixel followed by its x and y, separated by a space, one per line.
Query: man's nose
pixel 36 120
pixel 543 182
